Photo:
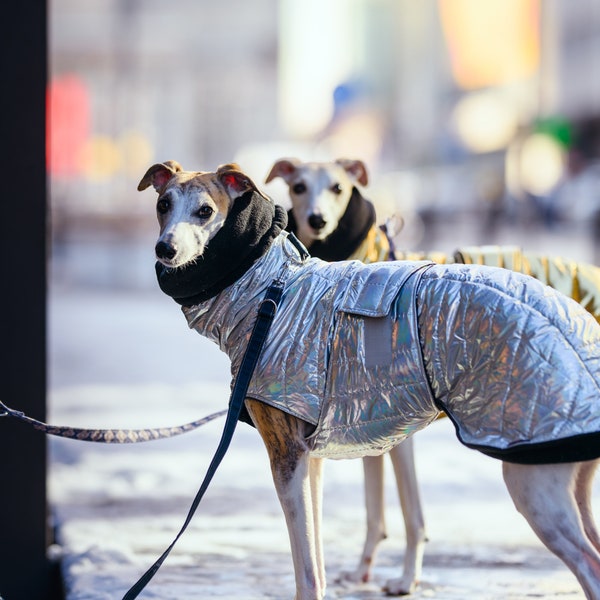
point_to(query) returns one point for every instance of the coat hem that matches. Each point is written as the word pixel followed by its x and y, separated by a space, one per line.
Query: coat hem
pixel 577 448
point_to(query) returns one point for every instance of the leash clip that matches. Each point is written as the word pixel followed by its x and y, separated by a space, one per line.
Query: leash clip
pixel 292 258
pixel 279 281
pixel 268 308
pixel 7 412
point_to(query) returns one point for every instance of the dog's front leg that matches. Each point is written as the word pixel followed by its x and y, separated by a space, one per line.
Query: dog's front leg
pixel 316 491
pixel 291 466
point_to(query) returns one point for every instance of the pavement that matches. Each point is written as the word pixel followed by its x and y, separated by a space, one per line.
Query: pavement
pixel 124 357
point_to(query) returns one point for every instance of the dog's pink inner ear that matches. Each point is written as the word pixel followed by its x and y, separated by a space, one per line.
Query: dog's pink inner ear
pixel 161 177
pixel 356 168
pixel 230 180
pixel 236 182
pixel 282 168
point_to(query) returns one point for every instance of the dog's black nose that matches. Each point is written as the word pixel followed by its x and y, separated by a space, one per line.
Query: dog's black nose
pixel 164 250
pixel 317 222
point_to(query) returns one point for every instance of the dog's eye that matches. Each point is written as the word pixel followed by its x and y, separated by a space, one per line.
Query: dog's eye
pixel 336 188
pixel 299 188
pixel 205 212
pixel 163 206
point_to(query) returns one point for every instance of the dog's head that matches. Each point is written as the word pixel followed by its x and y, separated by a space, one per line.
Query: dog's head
pixel 319 192
pixel 192 206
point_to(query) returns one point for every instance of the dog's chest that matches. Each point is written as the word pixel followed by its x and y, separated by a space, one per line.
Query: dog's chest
pixel 342 352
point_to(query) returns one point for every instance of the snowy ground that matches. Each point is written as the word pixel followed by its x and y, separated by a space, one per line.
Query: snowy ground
pixel 127 359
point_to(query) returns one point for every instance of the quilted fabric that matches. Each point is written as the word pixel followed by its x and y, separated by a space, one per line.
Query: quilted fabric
pixel 369 354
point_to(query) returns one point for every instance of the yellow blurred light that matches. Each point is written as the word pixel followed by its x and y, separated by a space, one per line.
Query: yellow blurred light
pixel 491 42
pixel 485 121
pixel 541 164
pixel 100 158
pixel 136 152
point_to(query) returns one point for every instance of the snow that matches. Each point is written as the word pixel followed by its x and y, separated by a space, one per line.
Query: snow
pixel 127 359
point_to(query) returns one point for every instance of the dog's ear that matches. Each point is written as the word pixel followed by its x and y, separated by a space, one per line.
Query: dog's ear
pixel 284 168
pixel 355 168
pixel 237 183
pixel 159 175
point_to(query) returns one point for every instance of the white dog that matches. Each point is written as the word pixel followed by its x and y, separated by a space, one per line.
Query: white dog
pixel 515 364
pixel 335 222
pixel 355 235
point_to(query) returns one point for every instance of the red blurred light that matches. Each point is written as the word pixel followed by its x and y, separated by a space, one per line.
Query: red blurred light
pixel 68 124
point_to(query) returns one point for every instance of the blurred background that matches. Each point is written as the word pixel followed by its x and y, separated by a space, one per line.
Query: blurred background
pixel 479 121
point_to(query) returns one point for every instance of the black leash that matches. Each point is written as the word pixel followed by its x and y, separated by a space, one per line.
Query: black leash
pixel 266 313
pixel 108 436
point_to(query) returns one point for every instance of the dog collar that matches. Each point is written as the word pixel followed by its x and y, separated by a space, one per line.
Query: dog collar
pixel 246 235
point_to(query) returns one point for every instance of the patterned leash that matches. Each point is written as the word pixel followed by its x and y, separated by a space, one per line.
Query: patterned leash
pixel 264 318
pixel 109 436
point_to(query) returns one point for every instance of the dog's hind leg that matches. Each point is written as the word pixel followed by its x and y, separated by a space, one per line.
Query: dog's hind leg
pixel 373 468
pixel 583 496
pixel 284 437
pixel 408 489
pixel 545 496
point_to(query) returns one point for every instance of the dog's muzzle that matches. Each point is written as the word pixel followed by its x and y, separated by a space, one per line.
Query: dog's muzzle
pixel 165 251
pixel 317 222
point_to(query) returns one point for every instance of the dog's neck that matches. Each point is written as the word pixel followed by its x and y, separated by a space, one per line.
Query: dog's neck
pixel 351 231
pixel 247 233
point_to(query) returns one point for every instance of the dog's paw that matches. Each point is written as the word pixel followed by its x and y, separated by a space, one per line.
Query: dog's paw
pixel 400 587
pixel 357 576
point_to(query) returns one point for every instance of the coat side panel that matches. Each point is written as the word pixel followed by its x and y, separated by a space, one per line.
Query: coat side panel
pixel 512 361
pixel 295 364
pixel 291 371
pixel 369 408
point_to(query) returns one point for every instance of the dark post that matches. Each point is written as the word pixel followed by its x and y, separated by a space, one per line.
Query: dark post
pixel 25 572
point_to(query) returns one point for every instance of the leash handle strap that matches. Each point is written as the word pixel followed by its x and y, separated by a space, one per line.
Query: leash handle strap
pixel 266 313
pixel 108 436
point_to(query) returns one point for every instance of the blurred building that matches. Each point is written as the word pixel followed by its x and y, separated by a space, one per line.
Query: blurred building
pixel 441 98
pixel 188 80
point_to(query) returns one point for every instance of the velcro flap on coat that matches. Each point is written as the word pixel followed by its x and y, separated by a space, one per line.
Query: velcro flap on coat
pixel 372 289
pixel 378 332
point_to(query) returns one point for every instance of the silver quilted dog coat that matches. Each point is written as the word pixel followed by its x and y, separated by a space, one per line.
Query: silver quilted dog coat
pixel 370 354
